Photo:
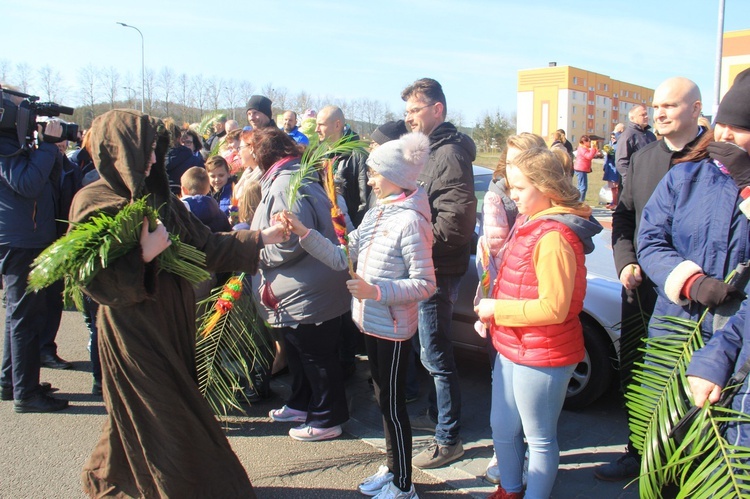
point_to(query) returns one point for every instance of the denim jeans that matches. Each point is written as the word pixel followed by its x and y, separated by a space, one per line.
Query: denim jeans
pixel 583 184
pixel 436 353
pixel 527 401
pixel 25 318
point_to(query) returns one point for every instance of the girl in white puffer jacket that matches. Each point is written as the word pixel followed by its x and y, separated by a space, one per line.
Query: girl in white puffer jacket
pixel 392 253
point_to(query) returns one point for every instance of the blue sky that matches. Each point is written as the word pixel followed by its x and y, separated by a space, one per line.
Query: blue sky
pixel 373 50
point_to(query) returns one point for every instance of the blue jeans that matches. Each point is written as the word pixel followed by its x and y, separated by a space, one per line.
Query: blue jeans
pixel 583 184
pixel 25 319
pixel 436 353
pixel 527 401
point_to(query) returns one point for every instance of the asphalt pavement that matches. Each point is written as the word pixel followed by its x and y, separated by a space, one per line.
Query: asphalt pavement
pixel 41 455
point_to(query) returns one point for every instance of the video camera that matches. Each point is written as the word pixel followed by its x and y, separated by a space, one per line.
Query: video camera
pixel 23 118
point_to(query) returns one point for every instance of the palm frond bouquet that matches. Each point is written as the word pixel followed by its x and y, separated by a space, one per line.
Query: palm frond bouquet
pixel 318 162
pixel 90 246
pixel 232 346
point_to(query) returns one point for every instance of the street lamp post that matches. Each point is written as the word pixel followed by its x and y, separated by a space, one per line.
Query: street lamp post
pixel 143 66
pixel 719 50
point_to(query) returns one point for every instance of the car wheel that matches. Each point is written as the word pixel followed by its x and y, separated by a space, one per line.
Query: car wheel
pixel 593 375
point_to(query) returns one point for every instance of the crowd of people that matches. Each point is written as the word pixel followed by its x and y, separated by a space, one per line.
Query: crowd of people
pixel 409 211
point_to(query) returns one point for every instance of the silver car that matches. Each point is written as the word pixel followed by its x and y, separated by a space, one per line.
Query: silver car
pixel 600 316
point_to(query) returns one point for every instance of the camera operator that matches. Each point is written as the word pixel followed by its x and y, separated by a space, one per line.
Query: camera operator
pixel 29 193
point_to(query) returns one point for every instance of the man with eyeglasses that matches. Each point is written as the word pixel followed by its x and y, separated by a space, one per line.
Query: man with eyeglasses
pixel 448 180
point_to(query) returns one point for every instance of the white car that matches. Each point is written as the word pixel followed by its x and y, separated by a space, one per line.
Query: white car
pixel 600 316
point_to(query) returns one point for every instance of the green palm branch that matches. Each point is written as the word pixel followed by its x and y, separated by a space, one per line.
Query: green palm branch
pixel 90 246
pixel 230 346
pixel 314 157
pixel 658 398
pixel 630 347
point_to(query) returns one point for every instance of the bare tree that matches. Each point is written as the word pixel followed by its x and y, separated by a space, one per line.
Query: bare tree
pixel 456 117
pixel 199 93
pixel 214 91
pixel 5 71
pixel 246 89
pixel 88 86
pixel 371 114
pixel 24 77
pixel 302 102
pixel 167 82
pixel 129 89
pixel 52 84
pixel 232 97
pixel 281 100
pixel 150 90
pixel 111 85
pixel 183 94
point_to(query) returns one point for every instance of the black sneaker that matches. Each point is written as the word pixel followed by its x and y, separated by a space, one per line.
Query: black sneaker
pixel 625 467
pixel 40 403
pixel 6 393
pixel 55 362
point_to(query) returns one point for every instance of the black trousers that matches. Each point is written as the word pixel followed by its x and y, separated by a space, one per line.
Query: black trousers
pixel 25 319
pixel 388 363
pixel 317 381
pixel 642 299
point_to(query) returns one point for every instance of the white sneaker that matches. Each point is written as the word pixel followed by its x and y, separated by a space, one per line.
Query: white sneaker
pixel 287 414
pixel 492 474
pixel 371 485
pixel 390 491
pixel 307 433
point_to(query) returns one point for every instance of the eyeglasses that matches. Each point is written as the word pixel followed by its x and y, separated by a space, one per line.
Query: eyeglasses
pixel 415 110
pixel 372 173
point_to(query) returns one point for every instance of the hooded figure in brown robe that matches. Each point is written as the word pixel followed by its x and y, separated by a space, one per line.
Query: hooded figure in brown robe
pixel 161 439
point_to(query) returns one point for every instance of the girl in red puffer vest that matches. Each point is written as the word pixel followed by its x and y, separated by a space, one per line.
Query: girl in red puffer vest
pixel 533 319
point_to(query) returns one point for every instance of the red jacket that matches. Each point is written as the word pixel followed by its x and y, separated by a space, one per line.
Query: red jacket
pixel 552 345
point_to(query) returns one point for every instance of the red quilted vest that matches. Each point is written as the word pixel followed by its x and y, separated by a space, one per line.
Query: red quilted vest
pixel 544 346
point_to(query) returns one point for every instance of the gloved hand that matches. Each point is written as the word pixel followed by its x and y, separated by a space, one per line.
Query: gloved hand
pixel 734 158
pixel 713 292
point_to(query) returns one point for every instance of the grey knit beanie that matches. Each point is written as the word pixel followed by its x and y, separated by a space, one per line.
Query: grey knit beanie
pixel 401 161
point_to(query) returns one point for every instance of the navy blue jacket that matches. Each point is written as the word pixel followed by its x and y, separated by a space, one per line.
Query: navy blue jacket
pixel 29 191
pixel 692 223
pixel 725 353
pixel 179 159
pixel 207 210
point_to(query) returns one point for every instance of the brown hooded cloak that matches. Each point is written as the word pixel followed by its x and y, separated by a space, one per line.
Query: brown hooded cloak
pixel 161 439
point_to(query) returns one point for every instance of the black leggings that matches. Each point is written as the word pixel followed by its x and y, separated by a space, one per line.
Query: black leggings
pixel 388 362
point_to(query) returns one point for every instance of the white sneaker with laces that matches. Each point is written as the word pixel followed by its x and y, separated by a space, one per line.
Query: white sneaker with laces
pixel 390 491
pixel 371 485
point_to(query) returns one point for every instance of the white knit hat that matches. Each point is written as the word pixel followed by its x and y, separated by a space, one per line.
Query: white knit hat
pixel 401 161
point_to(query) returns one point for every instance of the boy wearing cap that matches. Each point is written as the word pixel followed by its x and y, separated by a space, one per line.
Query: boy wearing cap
pixel 392 251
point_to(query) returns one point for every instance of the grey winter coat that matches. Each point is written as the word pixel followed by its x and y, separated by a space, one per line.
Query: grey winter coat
pixel 305 290
pixel 392 249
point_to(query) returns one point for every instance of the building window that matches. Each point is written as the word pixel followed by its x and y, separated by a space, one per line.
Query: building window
pixel 606 87
pixel 574 110
pixel 575 81
pixel 573 124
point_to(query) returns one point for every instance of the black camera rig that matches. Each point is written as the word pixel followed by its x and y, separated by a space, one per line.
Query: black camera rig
pixel 23 117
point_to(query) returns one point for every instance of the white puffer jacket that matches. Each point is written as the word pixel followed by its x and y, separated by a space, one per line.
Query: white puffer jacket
pixel 392 249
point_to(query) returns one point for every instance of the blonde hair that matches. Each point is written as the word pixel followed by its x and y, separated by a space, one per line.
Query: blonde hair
pixel 523 142
pixel 195 181
pixel 547 173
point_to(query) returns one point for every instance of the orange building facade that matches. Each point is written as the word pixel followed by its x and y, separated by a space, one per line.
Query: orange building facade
pixel 578 101
pixel 735 57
